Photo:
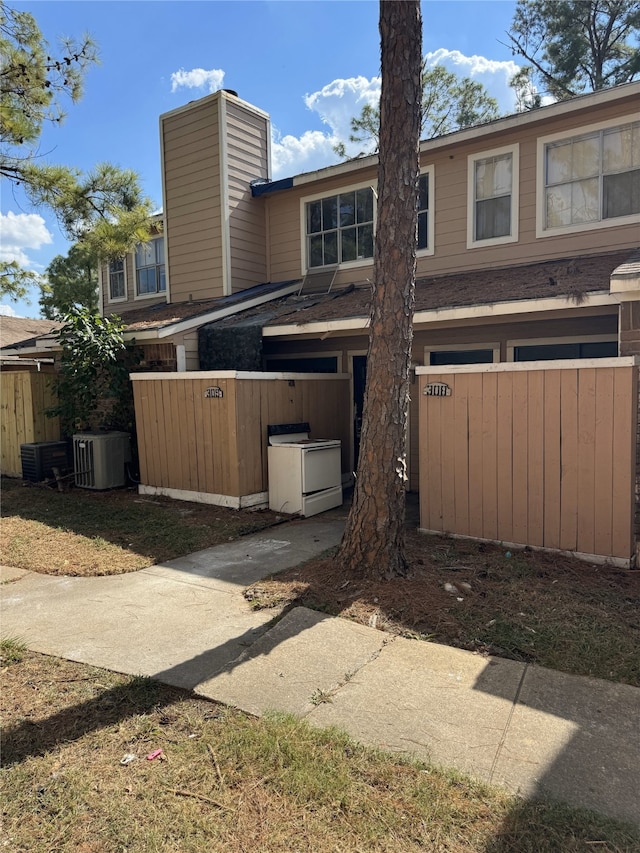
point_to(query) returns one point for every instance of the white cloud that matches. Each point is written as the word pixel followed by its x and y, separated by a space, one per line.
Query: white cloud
pixel 342 99
pixel 197 78
pixel 291 155
pixel 7 311
pixel 335 104
pixel 20 232
pixel 338 101
pixel 493 74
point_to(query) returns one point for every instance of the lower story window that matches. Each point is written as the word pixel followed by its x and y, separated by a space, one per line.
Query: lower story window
pixel 547 352
pixel 150 273
pixel 311 364
pixel 471 356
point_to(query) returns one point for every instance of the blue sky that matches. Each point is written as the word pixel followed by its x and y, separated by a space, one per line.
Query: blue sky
pixel 311 64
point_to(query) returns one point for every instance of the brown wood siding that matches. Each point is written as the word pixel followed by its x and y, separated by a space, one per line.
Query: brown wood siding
pixel 218 445
pixel 450 206
pixel 190 141
pixel 24 398
pixel 539 457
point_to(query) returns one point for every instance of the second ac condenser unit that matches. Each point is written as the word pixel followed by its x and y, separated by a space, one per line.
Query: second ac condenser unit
pixel 99 459
pixel 40 457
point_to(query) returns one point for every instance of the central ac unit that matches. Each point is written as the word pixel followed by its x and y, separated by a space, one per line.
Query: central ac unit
pixel 99 459
pixel 39 458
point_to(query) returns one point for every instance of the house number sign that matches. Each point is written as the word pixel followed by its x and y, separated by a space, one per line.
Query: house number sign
pixel 214 391
pixel 437 389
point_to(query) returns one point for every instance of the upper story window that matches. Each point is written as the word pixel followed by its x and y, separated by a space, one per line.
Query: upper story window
pixel 150 274
pixel 425 212
pixel 591 178
pixel 339 228
pixel 492 216
pixel 117 284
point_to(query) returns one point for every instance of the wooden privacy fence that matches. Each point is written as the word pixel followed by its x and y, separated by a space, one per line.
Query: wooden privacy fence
pixel 203 435
pixel 540 454
pixel 24 397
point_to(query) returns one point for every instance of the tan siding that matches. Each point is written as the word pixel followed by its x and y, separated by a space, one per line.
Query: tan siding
pixel 191 350
pixel 197 256
pixel 190 140
pixel 485 333
pixel 247 137
pixel 450 207
pixel 190 225
pixel 196 224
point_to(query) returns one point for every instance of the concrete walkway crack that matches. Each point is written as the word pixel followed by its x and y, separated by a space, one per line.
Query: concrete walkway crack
pixel 320 696
pixel 514 705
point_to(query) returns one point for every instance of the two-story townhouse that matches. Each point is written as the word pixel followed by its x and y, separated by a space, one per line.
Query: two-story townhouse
pixel 527 230
pixel 528 237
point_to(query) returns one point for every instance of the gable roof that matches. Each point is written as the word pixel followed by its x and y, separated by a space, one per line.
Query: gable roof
pixel 23 331
pixel 167 318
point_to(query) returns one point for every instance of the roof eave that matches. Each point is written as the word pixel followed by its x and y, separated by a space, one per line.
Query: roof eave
pixel 198 320
pixel 505 123
pixel 593 299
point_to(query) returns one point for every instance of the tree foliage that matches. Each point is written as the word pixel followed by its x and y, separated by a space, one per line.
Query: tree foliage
pixel 576 46
pixel 449 103
pixel 93 386
pixel 16 281
pixel 373 544
pixel 69 281
pixel 105 208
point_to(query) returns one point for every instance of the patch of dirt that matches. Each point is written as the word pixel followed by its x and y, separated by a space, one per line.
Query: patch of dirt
pixel 530 606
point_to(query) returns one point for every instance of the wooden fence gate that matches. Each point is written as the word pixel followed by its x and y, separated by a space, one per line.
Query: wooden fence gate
pixel 539 453
pixel 25 396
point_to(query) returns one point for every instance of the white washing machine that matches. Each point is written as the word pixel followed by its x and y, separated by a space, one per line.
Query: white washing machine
pixel 305 474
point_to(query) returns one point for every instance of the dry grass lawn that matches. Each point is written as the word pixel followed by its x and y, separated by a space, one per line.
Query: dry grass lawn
pixel 82 532
pixel 229 783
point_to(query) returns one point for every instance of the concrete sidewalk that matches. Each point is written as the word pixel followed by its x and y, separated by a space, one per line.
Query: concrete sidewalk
pixel 185 622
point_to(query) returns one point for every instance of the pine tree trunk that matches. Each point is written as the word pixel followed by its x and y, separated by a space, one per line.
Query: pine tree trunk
pixel 373 544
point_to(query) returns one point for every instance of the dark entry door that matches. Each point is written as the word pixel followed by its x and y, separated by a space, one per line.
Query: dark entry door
pixel 359 381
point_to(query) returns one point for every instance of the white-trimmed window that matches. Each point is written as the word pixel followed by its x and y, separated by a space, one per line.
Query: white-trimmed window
pixel 591 179
pixel 493 182
pixel 117 280
pixel 150 274
pixel 425 212
pixel 339 228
